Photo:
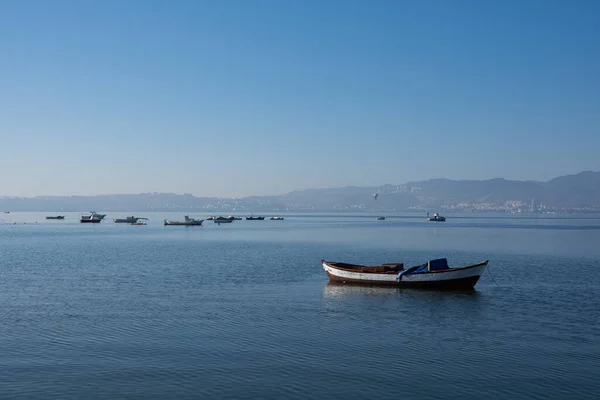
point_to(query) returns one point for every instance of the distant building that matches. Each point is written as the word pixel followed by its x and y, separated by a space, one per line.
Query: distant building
pixel 532 209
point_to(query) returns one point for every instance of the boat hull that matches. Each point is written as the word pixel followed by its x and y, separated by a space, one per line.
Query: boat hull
pixel 90 220
pixel 95 216
pixel 183 223
pixel 58 217
pixel 452 278
pixel 125 220
pixel 222 221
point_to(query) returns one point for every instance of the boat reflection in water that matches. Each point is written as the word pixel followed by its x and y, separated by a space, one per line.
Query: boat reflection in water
pixel 353 291
pixel 338 290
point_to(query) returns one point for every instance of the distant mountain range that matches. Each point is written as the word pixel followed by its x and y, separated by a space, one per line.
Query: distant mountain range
pixel 579 192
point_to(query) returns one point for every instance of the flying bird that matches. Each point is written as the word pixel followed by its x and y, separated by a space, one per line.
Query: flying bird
pixel 375 195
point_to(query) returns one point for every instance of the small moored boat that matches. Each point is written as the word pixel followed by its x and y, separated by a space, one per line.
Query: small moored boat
pixel 434 274
pixel 90 219
pixel 222 220
pixel 140 221
pixel 56 217
pixel 436 218
pixel 188 222
pixel 94 215
pixel 277 218
pixel 255 218
pixel 380 218
pixel 231 217
pixel 127 220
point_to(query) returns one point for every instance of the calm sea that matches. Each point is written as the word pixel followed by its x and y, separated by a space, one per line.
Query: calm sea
pixel 245 310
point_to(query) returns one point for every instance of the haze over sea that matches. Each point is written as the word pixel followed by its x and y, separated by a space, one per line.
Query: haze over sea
pixel 245 310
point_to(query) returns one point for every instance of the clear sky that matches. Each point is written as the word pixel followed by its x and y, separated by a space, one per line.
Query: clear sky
pixel 250 97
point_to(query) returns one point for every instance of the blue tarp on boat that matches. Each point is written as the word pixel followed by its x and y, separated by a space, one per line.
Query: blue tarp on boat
pixel 438 264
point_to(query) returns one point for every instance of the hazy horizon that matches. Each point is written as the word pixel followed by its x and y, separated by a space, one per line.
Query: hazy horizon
pixel 281 193
pixel 234 99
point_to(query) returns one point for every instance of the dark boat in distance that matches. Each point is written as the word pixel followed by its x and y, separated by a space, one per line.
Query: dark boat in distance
pixel 277 218
pixel 56 217
pixel 436 218
pixel 127 220
pixel 434 274
pixel 186 222
pixel 222 220
pixel 380 218
pixel 255 218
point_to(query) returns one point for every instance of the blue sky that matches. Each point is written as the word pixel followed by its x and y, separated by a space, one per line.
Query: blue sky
pixel 235 98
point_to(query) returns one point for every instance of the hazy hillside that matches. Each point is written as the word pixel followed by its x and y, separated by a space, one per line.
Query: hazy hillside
pixel 571 192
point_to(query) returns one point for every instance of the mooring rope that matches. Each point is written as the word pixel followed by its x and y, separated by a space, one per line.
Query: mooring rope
pixel 490 271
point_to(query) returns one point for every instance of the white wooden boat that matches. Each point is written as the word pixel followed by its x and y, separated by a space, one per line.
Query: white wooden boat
pixel 188 222
pixel 434 274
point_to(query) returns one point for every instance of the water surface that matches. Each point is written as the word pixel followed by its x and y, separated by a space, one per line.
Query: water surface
pixel 244 310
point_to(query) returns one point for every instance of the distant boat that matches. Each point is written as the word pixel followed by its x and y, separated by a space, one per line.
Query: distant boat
pixel 234 218
pixel 436 218
pixel 380 218
pixel 90 219
pixel 222 220
pixel 277 218
pixel 56 217
pixel 188 222
pixel 6 212
pixel 255 218
pixel 141 221
pixel 94 214
pixel 127 220
pixel 434 274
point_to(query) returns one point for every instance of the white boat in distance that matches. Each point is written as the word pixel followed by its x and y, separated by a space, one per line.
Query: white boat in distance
pixel 188 222
pixel 89 219
pixel 434 274
pixel 94 215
